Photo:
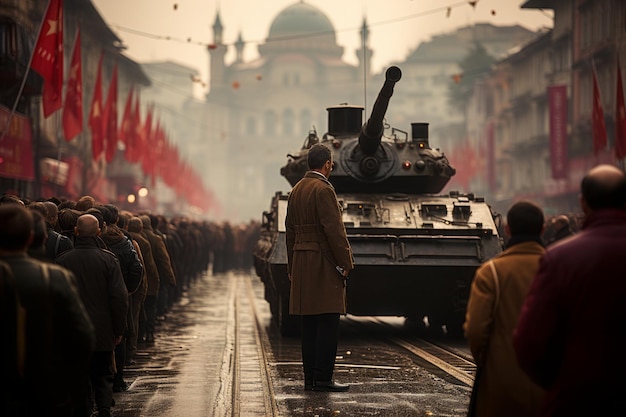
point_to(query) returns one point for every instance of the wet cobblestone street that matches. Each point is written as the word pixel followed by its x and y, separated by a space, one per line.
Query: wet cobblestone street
pixel 208 361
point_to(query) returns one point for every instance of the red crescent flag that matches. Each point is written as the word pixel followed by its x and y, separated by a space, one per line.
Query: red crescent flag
pixel 597 115
pixel 95 115
pixel 73 109
pixel 48 57
pixel 620 118
pixel 110 118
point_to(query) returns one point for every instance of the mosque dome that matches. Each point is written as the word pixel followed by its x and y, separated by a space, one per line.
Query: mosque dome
pixel 301 19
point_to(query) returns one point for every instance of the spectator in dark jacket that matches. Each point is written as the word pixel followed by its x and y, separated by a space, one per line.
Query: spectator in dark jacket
pixel 103 291
pixel 56 243
pixel 167 280
pixel 147 320
pixel 57 336
pixel 132 271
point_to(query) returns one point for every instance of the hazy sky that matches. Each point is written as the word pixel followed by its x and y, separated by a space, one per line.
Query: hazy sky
pixel 396 26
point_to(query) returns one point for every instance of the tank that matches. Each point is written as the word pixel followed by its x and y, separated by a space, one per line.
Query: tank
pixel 415 250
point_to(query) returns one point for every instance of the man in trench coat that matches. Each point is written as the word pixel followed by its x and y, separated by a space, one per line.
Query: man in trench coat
pixel 319 260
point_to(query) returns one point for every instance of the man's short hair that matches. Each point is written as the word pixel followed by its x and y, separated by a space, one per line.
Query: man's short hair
pixel 16 226
pixel 85 203
pixel 67 219
pixel 135 225
pixel 525 218
pixel 317 156
pixel 10 199
pixel 53 213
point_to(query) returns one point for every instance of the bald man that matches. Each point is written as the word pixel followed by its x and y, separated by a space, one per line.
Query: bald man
pixel 571 329
pixel 102 289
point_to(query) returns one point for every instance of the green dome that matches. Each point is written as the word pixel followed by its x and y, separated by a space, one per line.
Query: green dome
pixel 300 19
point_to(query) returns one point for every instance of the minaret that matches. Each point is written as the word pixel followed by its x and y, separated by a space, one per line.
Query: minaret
pixel 217 52
pixel 239 47
pixel 364 54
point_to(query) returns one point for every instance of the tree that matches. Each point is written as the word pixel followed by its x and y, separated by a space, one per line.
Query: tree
pixel 476 63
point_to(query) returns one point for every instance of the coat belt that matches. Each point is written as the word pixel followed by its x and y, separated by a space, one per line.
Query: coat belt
pixel 309 233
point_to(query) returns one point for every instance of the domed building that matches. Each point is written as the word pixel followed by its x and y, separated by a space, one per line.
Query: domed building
pixel 262 109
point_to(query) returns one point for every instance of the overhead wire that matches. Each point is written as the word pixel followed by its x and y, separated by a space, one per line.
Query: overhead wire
pixel 445 8
pixel 189 40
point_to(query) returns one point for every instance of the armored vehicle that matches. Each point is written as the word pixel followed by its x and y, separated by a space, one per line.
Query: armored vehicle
pixel 415 250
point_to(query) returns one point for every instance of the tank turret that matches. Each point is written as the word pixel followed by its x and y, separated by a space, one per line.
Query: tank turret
pixel 366 160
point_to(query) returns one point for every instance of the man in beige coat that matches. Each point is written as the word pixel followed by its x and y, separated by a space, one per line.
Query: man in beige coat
pixel 319 260
pixel 496 298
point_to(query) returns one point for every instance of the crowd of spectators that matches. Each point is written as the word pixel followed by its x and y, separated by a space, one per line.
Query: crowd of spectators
pixel 118 274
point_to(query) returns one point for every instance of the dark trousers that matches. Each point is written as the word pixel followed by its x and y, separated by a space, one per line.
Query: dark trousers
pixel 147 322
pixel 320 335
pixel 101 381
pixel 162 298
pixel 120 360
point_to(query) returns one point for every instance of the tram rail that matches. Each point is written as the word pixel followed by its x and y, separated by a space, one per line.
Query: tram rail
pixel 439 357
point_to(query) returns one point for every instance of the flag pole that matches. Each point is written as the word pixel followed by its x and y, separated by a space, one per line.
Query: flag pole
pixel 23 83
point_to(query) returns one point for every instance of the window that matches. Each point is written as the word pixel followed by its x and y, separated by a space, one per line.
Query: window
pixel 306 121
pixel 251 126
pixel 270 122
pixel 8 39
pixel 288 122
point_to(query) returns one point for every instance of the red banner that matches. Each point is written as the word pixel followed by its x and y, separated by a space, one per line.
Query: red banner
pixel 620 118
pixel 597 116
pixel 16 147
pixel 557 101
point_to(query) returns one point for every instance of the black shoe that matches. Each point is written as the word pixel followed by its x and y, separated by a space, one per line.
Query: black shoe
pixel 330 386
pixel 104 412
pixel 308 385
pixel 120 386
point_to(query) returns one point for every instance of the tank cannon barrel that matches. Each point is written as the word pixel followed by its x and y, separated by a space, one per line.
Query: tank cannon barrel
pixel 372 131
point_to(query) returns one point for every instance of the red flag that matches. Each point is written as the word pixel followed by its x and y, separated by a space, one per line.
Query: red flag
pixel 95 115
pixel 110 118
pixel 597 115
pixel 126 130
pixel 48 57
pixel 73 109
pixel 620 118
pixel 132 146
pixel 144 150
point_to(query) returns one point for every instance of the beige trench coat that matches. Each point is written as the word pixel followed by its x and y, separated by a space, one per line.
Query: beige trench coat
pixel 503 389
pixel 316 243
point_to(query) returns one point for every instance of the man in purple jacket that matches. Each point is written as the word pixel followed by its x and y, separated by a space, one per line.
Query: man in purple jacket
pixel 570 336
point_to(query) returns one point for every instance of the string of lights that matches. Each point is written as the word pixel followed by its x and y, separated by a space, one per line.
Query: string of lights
pixel 447 9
